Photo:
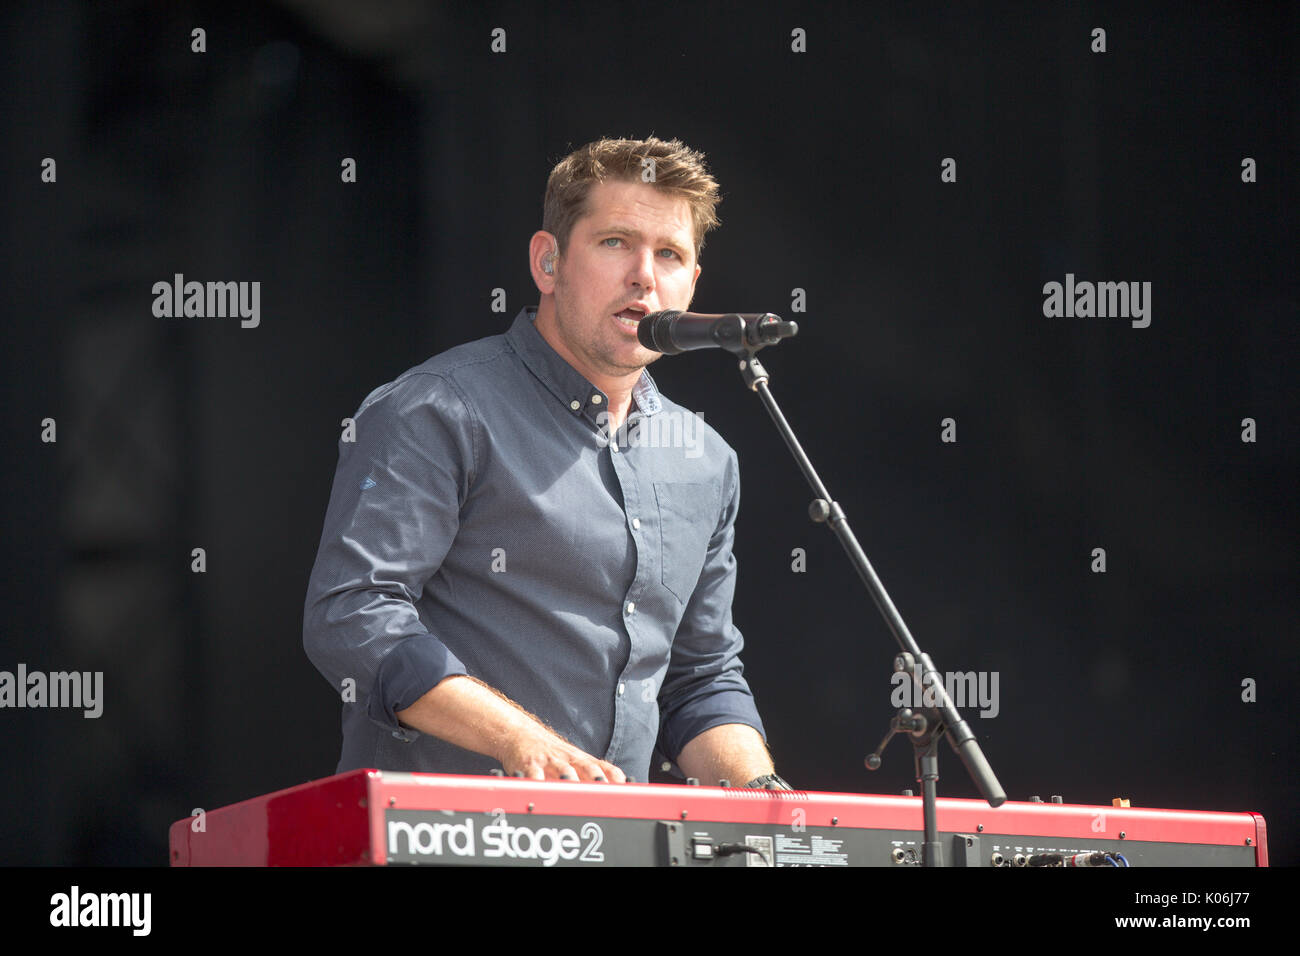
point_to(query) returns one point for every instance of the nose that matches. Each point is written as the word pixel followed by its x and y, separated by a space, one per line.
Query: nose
pixel 643 269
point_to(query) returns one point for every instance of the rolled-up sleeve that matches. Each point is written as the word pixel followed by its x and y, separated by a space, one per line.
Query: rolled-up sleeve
pixel 704 686
pixel 393 514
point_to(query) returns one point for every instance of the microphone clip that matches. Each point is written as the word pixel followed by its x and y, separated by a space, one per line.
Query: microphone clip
pixel 744 335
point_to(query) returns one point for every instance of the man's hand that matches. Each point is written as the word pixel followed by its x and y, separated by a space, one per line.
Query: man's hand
pixel 470 714
pixel 547 756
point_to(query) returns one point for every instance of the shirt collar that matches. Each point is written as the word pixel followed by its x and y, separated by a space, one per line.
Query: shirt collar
pixel 565 382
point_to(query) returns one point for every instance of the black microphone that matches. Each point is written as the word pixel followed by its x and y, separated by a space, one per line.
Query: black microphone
pixel 673 332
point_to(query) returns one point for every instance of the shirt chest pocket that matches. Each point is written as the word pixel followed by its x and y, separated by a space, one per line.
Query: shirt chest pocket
pixel 688 515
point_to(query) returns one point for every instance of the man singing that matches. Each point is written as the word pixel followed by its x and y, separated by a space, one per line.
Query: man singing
pixel 509 575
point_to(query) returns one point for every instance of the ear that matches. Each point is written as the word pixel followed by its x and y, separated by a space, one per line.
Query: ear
pixel 540 246
pixel 694 279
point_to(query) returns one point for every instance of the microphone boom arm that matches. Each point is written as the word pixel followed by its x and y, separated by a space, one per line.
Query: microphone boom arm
pixel 944 720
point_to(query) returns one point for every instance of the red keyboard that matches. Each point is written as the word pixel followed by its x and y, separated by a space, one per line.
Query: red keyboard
pixel 371 817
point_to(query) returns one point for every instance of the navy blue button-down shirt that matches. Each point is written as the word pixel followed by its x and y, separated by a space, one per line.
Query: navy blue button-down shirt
pixel 485 520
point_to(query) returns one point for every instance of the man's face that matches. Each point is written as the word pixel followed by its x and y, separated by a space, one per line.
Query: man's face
pixel 635 249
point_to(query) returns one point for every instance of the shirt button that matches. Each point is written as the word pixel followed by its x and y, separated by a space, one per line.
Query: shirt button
pixel 636 524
pixel 613 445
pixel 621 687
pixel 575 404
pixel 631 606
pixel 595 399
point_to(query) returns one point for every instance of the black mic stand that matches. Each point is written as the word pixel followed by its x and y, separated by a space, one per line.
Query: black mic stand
pixel 938 717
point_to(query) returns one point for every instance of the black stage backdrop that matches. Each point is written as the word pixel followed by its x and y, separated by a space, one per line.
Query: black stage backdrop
pixel 901 179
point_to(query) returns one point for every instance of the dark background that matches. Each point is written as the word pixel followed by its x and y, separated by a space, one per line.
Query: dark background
pixel 924 301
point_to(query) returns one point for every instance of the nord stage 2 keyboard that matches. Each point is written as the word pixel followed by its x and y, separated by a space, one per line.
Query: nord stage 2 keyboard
pixel 372 817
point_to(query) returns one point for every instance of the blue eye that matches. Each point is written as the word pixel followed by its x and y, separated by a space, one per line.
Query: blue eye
pixel 611 239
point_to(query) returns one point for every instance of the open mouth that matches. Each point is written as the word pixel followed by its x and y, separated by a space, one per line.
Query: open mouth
pixel 630 318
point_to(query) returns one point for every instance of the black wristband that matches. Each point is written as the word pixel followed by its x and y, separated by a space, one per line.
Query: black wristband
pixel 768 781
